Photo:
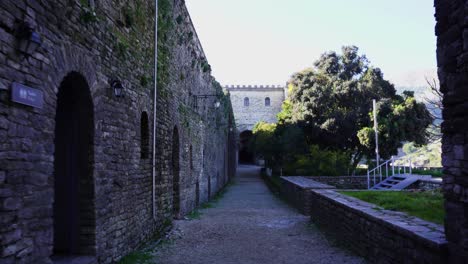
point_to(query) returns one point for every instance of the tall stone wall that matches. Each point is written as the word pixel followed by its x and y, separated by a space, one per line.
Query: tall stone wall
pixel 256 111
pixel 452 54
pixel 101 41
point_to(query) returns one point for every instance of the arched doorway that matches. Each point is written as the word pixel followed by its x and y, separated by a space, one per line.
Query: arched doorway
pixel 245 154
pixel 175 173
pixel 74 217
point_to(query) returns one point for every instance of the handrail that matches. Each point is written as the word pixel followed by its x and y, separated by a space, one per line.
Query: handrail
pixel 377 171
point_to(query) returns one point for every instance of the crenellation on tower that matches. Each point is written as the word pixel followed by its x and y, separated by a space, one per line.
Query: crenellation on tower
pixel 255 103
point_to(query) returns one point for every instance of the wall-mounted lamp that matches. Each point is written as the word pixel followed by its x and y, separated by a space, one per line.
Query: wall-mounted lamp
pixel 216 105
pixel 118 88
pixel 29 40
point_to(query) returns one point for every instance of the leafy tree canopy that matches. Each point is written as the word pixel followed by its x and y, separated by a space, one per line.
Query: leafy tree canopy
pixel 332 104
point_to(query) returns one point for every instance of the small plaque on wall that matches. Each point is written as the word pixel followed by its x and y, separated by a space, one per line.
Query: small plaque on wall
pixel 25 95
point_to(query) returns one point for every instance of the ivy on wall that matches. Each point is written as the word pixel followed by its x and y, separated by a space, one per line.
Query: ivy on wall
pixel 165 25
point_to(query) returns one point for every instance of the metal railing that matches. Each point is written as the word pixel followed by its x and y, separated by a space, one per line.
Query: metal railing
pixel 390 169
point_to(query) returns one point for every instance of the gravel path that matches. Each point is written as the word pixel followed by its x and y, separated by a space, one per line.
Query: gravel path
pixel 249 225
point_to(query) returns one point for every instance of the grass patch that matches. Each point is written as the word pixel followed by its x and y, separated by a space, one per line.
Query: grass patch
pixel 194 215
pixel 207 205
pixel 137 257
pixel 435 173
pixel 212 203
pixel 425 205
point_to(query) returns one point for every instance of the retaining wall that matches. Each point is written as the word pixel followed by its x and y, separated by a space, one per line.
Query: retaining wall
pixel 381 236
pixel 343 182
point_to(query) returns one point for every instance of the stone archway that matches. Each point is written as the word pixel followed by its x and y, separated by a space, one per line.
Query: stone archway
pixel 74 214
pixel 245 154
pixel 175 173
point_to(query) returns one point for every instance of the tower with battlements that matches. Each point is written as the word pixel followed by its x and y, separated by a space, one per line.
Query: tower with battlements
pixel 252 104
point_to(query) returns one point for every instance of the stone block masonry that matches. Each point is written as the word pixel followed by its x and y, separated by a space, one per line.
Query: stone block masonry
pixel 82 163
pixel 343 182
pixel 249 113
pixel 379 235
pixel 452 62
pixel 296 190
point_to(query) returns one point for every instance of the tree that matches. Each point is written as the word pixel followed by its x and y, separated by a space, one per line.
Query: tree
pixel 271 142
pixel 332 103
pixel 435 107
pixel 399 121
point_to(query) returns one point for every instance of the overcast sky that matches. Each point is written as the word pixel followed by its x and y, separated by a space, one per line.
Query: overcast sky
pixel 265 41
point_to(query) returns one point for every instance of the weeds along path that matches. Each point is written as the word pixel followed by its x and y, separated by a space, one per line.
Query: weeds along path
pixel 248 225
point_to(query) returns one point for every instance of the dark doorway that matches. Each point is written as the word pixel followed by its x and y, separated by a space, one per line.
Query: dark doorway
pixel 74 218
pixel 144 133
pixel 245 154
pixel 176 174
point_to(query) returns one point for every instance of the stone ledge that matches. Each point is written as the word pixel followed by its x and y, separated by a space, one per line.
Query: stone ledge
pixel 305 183
pixel 430 234
pixel 381 236
pixel 343 182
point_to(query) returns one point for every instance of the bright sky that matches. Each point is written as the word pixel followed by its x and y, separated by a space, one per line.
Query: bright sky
pixel 265 41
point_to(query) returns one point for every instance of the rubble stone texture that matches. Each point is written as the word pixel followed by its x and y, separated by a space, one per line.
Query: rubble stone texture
pixel 101 41
pixel 452 62
pixel 381 236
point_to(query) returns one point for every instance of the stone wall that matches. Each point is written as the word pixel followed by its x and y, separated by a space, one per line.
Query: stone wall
pixel 296 191
pixel 343 182
pixel 256 111
pixel 452 62
pixel 96 42
pixel 379 235
pixel 426 185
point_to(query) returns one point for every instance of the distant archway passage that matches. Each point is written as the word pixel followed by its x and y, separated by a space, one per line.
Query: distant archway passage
pixel 74 217
pixel 245 154
pixel 176 173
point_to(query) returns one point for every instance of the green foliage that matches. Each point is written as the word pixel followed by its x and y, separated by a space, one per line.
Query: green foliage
pixel 179 19
pixel 409 148
pixel 425 205
pixel 137 257
pixel 282 147
pixel 264 142
pixel 332 103
pixel 207 205
pixel 128 16
pixel 319 162
pixel 165 25
pixel 435 173
pixel 206 67
pixel 122 48
pixel 399 121
pixel 429 155
pixel 286 113
pixel 277 144
pixel 87 16
pixel 144 80
pixel 218 196
pixel 194 215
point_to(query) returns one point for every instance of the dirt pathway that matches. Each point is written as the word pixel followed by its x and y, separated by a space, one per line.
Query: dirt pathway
pixel 249 225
